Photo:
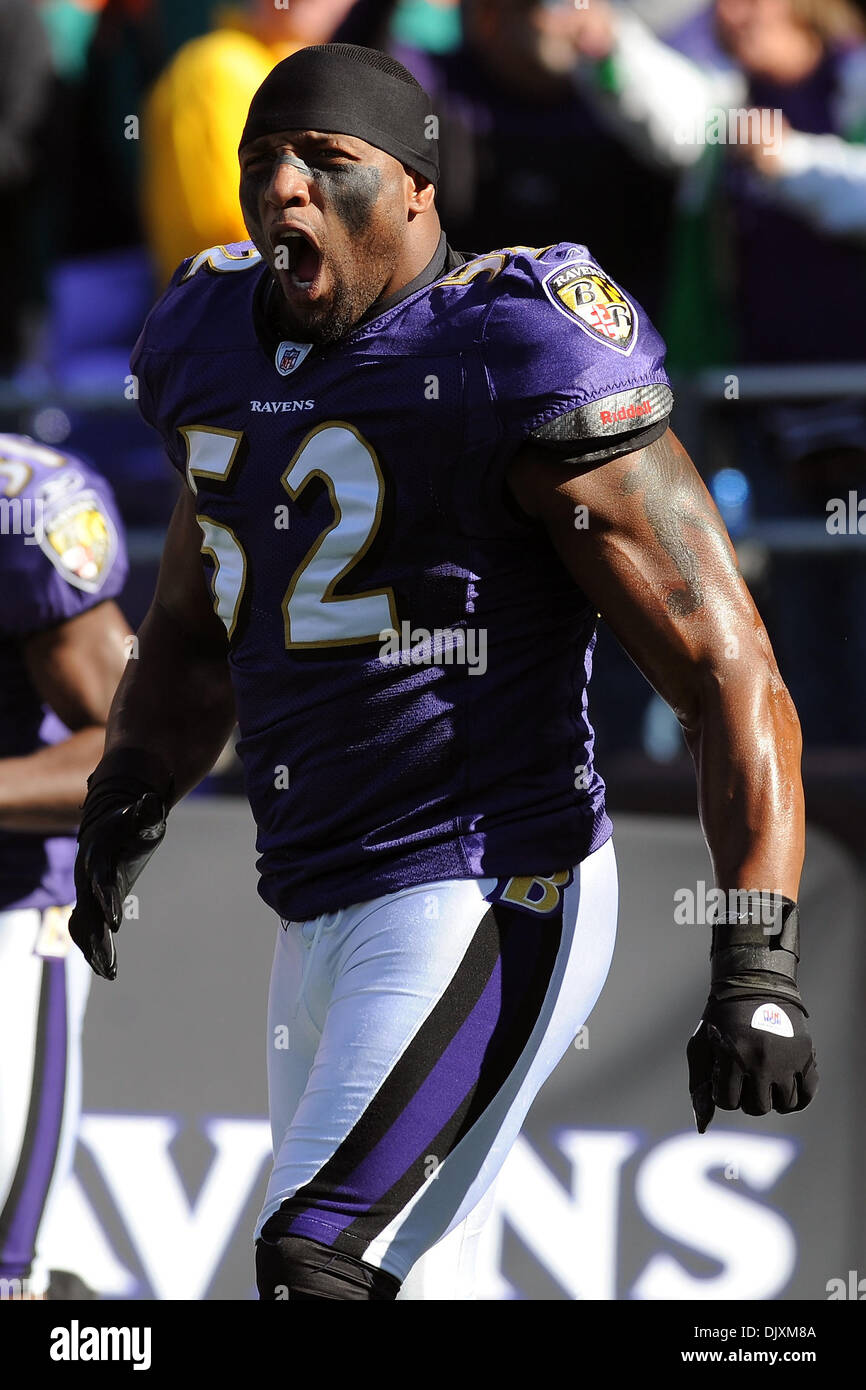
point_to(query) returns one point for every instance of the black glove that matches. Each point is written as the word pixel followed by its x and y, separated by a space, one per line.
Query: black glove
pixel 751 1050
pixel 123 822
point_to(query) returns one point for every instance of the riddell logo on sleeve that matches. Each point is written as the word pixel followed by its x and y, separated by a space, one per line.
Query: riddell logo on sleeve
pixel 626 412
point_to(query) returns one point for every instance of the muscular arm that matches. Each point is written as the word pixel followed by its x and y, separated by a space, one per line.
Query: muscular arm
pixel 175 699
pixel 657 562
pixel 74 668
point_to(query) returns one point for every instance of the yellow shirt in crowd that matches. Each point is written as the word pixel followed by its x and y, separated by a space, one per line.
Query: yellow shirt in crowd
pixel 193 121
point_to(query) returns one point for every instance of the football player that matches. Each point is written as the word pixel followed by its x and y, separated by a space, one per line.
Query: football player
pixel 63 647
pixel 412 481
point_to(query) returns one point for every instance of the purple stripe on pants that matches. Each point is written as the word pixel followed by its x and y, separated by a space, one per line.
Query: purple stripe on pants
pixel 433 1104
pixel 30 1186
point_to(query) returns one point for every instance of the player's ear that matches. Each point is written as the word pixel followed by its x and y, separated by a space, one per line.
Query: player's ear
pixel 420 192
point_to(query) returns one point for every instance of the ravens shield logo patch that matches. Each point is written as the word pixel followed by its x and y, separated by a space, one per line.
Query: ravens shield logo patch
pixel 594 303
pixel 80 541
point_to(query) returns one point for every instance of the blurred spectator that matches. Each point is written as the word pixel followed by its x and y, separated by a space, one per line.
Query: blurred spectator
pixel 25 91
pixel 774 192
pixel 127 52
pixel 66 95
pixel 70 25
pixel 194 117
pixel 430 24
pixel 369 22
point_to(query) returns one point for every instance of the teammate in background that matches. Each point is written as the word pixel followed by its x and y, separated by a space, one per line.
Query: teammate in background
pixel 414 482
pixel 63 647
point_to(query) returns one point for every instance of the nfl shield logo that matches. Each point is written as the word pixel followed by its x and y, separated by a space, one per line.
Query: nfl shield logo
pixel 289 357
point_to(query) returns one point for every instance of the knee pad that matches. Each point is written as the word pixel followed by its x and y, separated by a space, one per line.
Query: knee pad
pixel 295 1268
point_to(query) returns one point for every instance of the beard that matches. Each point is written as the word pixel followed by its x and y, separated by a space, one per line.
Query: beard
pixel 328 322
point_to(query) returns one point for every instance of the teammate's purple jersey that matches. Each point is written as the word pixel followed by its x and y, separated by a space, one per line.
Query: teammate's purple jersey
pixel 61 552
pixel 355 491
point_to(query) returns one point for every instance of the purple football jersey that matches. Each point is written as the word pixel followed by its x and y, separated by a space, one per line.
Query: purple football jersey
pixel 409 656
pixel 61 552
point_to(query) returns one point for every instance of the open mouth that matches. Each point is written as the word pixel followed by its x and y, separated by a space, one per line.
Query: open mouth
pixel 299 257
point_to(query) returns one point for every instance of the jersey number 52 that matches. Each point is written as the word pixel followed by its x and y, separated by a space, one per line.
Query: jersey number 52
pixel 313 615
